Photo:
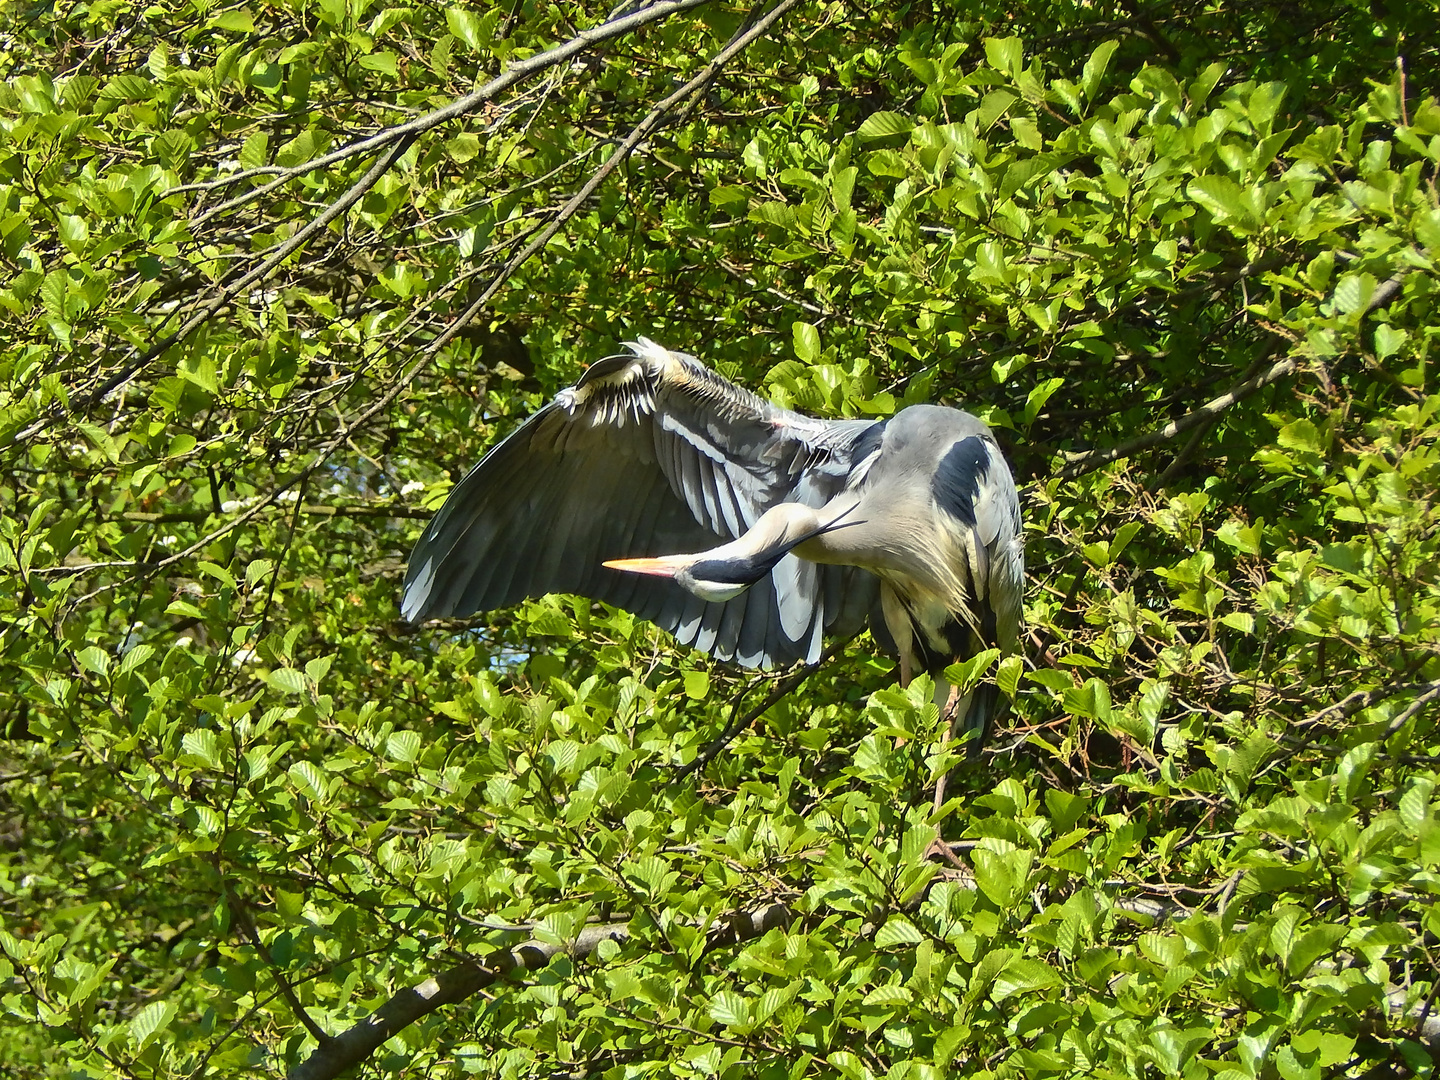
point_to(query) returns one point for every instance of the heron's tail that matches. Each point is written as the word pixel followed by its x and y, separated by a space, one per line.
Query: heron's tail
pixel 976 722
pixel 977 712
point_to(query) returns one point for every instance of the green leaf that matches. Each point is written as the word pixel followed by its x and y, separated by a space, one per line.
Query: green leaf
pixel 730 1009
pixel 238 21
pixel 202 744
pixel 476 31
pixel 897 930
pixel 150 1021
pixel 1038 396
pixel 403 746
pixel 1091 700
pixel 807 341
pixel 255 152
pixel 463 147
pixel 1353 292
pixel 1095 68
pixel 885 124
pixel 697 685
pixel 1005 55
pixel 384 62
pixel 309 780
pixel 287 681
pixel 94 659
pixel 1024 976
pixel 1218 194
pixel 968 672
pixel 1314 943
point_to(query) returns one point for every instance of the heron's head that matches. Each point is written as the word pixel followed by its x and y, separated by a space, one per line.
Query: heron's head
pixel 712 579
pixel 724 572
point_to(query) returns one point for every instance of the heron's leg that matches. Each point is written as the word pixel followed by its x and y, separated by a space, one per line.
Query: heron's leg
pixel 938 846
pixel 947 732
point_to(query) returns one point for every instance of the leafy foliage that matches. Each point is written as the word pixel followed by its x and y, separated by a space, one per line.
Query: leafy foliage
pixel 1181 256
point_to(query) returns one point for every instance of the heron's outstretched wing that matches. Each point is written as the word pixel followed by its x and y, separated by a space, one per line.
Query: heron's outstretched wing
pixel 650 453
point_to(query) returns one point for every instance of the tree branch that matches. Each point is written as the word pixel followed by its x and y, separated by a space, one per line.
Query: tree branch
pixel 241 914
pixel 334 1055
pixel 1080 464
pixel 739 723
pixel 711 70
pixel 471 102
pixel 399 139
pixel 314 510
pixel 651 121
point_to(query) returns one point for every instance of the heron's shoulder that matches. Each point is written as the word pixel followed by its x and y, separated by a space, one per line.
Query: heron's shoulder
pixel 936 422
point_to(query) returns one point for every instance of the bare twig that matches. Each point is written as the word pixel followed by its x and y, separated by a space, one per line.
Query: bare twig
pixel 1080 464
pixel 513 74
pixel 651 121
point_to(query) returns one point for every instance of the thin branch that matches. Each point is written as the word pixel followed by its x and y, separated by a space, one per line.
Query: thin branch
pixel 1353 702
pixel 241 915
pixel 1080 464
pixel 651 121
pixel 317 510
pixel 398 138
pixel 710 71
pixel 738 723
pixel 470 103
pixel 1414 707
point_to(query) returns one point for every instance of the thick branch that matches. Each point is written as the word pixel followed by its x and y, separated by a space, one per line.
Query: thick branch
pixel 353 1046
pixel 335 1055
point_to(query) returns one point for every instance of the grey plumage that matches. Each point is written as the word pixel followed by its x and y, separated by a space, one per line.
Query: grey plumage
pixel 821 523
pixel 650 452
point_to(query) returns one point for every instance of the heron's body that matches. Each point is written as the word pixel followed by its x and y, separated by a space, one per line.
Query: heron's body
pixel 746 530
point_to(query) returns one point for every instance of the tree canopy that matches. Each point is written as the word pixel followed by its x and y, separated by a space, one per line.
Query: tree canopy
pixel 276 274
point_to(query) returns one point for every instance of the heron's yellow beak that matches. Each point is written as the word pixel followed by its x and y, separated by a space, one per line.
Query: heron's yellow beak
pixel 664 566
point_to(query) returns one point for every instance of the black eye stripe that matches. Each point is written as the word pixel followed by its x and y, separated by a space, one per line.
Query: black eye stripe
pixel 727 571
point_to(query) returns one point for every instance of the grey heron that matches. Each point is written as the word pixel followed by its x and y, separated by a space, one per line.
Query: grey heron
pixel 746 530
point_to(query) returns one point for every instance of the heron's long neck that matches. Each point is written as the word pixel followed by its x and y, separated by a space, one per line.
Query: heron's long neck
pixel 778 530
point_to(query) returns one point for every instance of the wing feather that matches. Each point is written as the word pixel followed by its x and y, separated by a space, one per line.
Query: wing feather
pixel 650 453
